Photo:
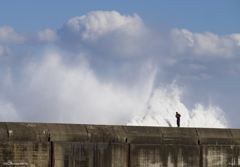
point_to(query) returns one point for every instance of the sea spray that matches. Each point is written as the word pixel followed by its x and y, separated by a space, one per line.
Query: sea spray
pixel 166 101
pixel 53 90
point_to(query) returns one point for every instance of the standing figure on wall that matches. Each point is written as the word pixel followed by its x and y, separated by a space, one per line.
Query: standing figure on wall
pixel 178 119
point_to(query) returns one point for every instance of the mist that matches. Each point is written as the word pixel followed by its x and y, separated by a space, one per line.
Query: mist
pixel 61 89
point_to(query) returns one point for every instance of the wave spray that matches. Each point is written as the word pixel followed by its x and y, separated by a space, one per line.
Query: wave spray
pixel 165 102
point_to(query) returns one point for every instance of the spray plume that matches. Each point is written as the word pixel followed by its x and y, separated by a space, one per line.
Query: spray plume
pixel 52 90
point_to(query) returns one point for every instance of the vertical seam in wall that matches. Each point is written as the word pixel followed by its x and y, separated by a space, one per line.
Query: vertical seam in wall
pixel 201 156
pixel 87 133
pixel 50 148
pixel 162 140
pixel 200 151
pixel 124 129
pixel 125 133
pixel 114 135
pixel 49 136
pixel 162 135
pixel 197 136
pixel 52 154
pixel 86 128
pixel 7 132
pixel 232 136
pixel 128 149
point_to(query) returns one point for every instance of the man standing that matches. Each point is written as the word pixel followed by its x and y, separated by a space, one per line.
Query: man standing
pixel 178 119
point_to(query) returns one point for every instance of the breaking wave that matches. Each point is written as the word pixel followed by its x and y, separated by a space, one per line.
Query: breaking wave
pixel 53 90
pixel 165 102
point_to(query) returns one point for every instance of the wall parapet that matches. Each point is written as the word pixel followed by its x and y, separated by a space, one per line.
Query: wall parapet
pixel 67 145
pixel 11 131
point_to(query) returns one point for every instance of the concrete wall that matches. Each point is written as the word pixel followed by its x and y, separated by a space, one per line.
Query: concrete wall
pixel 24 144
pixel 73 145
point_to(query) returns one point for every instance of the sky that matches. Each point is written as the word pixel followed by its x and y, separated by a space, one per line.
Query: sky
pixel 120 62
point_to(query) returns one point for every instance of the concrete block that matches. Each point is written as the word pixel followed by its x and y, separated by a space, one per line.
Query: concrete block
pixel 171 135
pixel 120 134
pixel 220 156
pixel 27 132
pixel 184 136
pixel 106 134
pixel 143 135
pixel 188 136
pixel 144 155
pixel 76 154
pixel 208 136
pixel 236 136
pixel 32 154
pixel 67 132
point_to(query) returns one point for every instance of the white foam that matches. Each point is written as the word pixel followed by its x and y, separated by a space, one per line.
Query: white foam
pixel 165 102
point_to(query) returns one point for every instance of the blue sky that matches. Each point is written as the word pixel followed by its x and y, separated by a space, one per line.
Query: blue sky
pixel 81 59
pixel 214 16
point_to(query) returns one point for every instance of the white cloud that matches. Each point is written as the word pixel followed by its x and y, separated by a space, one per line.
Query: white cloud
pixel 110 34
pixel 47 35
pixel 8 35
pixel 106 33
pixel 98 23
pixel 205 44
pixel 236 37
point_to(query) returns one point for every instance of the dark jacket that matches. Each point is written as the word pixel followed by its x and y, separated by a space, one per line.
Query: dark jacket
pixel 178 115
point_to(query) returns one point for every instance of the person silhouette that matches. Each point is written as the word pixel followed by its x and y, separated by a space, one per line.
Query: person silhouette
pixel 178 119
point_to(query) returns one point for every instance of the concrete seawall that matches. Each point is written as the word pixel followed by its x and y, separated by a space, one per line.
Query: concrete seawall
pixel 76 145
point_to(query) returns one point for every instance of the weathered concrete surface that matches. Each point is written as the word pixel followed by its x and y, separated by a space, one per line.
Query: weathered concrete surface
pixel 162 146
pixel 75 154
pixel 220 156
pixel 67 145
pixel 141 134
pixel 187 136
pixel 27 132
pixel 144 155
pixel 31 154
pixel 106 134
pixel 235 136
pixel 209 136
pixel 67 132
pixel 104 147
pixel 3 132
